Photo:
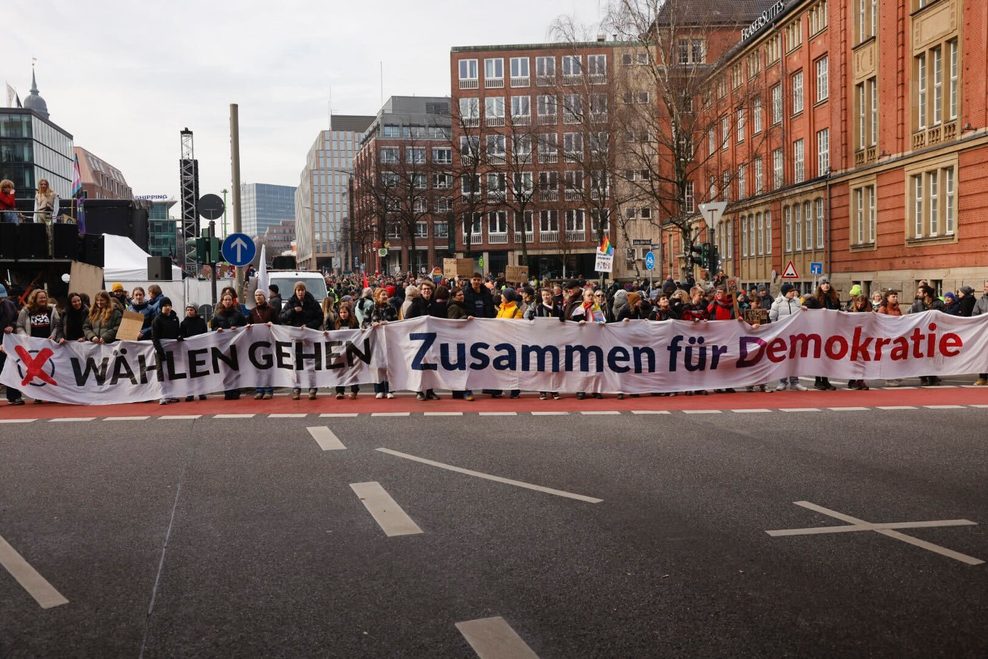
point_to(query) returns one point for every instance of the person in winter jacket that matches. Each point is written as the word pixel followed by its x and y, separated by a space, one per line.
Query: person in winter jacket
pixel 346 319
pixel 262 314
pixel 8 203
pixel 633 309
pixel 927 300
pixel 228 317
pixel 663 309
pixel 35 319
pixel 412 295
pixel 192 325
pixel 722 308
pixel 965 301
pixel 274 298
pixel 981 308
pixel 825 298
pixel 456 308
pixel 139 304
pixel 103 321
pixel 165 326
pixel 364 305
pixel 786 305
pixel 382 312
pixel 419 303
pixel 8 324
pixel 478 298
pixel 858 304
pixel 301 309
pixel 67 323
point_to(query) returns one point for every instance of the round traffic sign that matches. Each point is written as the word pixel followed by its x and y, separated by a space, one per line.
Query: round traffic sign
pixel 210 207
pixel 239 249
pixel 383 251
pixel 650 261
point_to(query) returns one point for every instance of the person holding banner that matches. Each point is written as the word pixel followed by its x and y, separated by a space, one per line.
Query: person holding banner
pixel 422 304
pixel 165 326
pixel 382 313
pixel 67 323
pixel 192 325
pixel 784 306
pixel 346 319
pixel 228 317
pixel 8 323
pixel 103 321
pixel 262 314
pixel 825 298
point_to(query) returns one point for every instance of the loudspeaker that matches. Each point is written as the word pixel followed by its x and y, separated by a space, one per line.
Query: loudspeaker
pixel 32 241
pixel 66 241
pixel 8 241
pixel 159 268
pixel 92 249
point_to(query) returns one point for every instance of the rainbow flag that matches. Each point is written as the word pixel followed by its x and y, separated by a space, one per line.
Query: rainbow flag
pixel 605 246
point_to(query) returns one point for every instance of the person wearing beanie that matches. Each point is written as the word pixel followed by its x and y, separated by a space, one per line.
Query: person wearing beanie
pixel 165 326
pixel 855 290
pixel 786 305
pixel 965 301
pixel 951 305
pixel 633 309
pixel 411 293
pixel 274 298
pixel 981 308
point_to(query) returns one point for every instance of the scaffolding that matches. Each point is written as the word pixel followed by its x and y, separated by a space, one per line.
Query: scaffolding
pixel 189 182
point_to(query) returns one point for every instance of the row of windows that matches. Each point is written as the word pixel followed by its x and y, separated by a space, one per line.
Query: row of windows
pixel 547 107
pixel 799 221
pixel 415 132
pixel 571 66
pixel 756 234
pixel 757 166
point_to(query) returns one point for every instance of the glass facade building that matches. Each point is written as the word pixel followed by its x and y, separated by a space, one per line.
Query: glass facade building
pixel 322 201
pixel 163 231
pixel 33 148
pixel 264 205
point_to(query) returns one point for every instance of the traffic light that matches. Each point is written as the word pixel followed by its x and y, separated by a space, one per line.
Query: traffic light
pixel 698 255
pixel 207 250
pixel 713 259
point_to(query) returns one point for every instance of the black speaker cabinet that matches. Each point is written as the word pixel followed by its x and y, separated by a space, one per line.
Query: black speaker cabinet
pixel 92 249
pixel 32 241
pixel 159 268
pixel 8 241
pixel 66 241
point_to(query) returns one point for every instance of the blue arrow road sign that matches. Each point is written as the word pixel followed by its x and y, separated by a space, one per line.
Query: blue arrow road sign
pixel 650 261
pixel 816 267
pixel 238 249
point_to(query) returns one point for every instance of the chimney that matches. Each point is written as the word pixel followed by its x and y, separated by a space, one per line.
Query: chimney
pixel 601 37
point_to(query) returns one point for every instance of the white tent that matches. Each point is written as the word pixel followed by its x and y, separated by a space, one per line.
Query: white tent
pixel 123 260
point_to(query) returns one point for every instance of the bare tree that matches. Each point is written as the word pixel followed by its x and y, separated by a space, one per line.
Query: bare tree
pixel 678 110
pixel 468 168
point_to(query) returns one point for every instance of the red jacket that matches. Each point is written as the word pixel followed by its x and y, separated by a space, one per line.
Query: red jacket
pixel 7 201
pixel 720 311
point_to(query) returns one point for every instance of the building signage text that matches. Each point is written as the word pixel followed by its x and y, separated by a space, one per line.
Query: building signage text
pixel 766 17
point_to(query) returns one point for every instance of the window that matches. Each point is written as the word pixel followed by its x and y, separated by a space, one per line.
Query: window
pixel 497 186
pixel 777 104
pixel 937 92
pixel 797 227
pixel 725 132
pixel 525 220
pixel 496 148
pixel 524 185
pixel 573 185
pixel 712 140
pixel 442 181
pixel 773 49
pixel 778 168
pixel 760 233
pixel 818 17
pixel 756 115
pixel 390 155
pixel 546 107
pixel 548 221
pixel 470 111
pixel 573 146
pixel 808 218
pixel 521 109
pixel 519 72
pixel 468 73
pixel 921 109
pixel 576 227
pixel 736 77
pixel 470 184
pixel 787 219
pixel 442 155
pixel 725 186
pixel 494 72
pixel 937 86
pixel 818 205
pixel 934 202
pixel 823 152
pixel 953 98
pixel 768 232
pixel 545 70
pixel 421 228
pixel 598 107
pixel 797 92
pixel 497 222
pixel 548 148
pixel 740 127
pixel 754 63
pixel 866 19
pixel 470 146
pixel 572 66
pixel 794 35
pixel 690 51
pixel 521 147
pixel 597 68
pixel 759 166
pixel 415 155
pixel 572 108
pixel 742 181
pixel 872 86
pixel 798 168
pixel 866 102
pixel 494 110
pixel 752 238
pixel 689 199
pixel 863 212
pixel 744 236
pixel 472 228
pixel 440 229
pixel 822 76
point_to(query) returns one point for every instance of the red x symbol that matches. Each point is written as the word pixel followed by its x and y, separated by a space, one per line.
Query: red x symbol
pixel 35 365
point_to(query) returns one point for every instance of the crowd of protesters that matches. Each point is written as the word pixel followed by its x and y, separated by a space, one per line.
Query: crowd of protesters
pixel 361 302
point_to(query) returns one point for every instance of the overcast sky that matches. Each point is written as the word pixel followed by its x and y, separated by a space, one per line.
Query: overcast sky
pixel 124 77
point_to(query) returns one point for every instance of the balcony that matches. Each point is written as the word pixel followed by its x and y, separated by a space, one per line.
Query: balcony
pixel 521 81
pixel 471 83
pixel 494 122
pixel 598 117
pixel 529 236
pixel 549 158
pixel 576 236
pixel 545 80
pixel 493 83
pixel 521 120
pixel 598 78
pixel 548 195
pixel 572 79
pixel 548 236
pixel 572 195
pixel 497 238
pixel 496 158
pixel 548 119
pixel 471 122
pixel 934 135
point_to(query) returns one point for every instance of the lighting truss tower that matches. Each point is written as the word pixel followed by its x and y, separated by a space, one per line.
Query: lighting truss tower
pixel 189 180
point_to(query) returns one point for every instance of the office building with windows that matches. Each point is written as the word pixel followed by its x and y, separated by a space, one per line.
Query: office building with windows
pixel 100 179
pixel 322 201
pixel 402 186
pixel 163 231
pixel 263 205
pixel 32 148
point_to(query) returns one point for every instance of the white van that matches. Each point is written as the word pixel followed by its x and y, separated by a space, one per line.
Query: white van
pixel 285 280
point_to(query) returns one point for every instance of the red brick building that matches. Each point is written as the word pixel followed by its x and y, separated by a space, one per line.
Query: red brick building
pixel 863 148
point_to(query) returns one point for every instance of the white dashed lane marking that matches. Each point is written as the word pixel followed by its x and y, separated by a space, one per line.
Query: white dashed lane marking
pixel 326 438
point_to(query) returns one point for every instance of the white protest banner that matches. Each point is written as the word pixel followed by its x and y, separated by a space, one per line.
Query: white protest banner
pixel 540 355
pixel 603 262
pixel 127 371
pixel 642 356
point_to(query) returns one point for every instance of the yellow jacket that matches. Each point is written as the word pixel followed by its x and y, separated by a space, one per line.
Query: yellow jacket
pixel 509 311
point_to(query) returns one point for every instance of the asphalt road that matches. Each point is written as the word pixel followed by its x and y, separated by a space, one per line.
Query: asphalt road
pixel 243 537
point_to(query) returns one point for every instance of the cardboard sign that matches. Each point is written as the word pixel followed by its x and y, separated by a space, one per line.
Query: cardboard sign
pixel 604 262
pixel 458 268
pixel 516 274
pixel 756 316
pixel 85 278
pixel 130 326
